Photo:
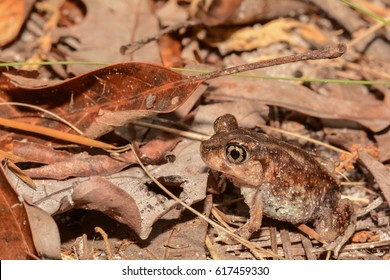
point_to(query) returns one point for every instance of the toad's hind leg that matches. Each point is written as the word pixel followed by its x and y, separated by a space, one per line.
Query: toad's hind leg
pixel 336 225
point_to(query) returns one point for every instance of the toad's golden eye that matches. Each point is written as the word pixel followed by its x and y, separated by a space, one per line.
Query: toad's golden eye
pixel 236 153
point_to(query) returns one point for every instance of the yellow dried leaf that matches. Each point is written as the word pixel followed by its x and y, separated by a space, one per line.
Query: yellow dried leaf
pixel 279 30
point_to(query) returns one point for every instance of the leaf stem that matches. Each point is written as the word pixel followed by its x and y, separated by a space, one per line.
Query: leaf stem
pixel 326 53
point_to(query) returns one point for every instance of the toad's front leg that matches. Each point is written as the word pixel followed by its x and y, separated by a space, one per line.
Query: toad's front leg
pixel 254 200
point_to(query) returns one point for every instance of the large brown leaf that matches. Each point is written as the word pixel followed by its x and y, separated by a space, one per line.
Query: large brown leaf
pixel 15 233
pixel 100 100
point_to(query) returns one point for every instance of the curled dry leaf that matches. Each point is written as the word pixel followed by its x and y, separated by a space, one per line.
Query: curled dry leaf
pixel 79 165
pixel 62 165
pixel 97 193
pixel 38 153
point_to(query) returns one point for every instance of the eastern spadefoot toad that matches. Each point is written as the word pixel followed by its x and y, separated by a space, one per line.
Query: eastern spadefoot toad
pixel 277 179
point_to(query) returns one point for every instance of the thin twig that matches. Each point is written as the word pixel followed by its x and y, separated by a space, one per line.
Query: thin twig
pixel 132 47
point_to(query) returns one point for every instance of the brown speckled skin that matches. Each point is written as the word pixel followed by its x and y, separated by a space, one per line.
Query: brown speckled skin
pixel 288 183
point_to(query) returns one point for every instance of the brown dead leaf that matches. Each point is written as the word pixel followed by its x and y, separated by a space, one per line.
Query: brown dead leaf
pixel 62 165
pixel 302 99
pixel 12 16
pixel 215 12
pixel 39 153
pixel 21 74
pixel 8 110
pixel 379 171
pixel 15 232
pixel 343 14
pixel 45 232
pixel 79 165
pixel 106 26
pixel 97 193
pixel 173 239
pixel 171 13
pixel 245 11
pixel 103 99
pixel 383 141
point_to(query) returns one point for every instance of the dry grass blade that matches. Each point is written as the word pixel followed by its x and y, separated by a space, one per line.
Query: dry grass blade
pixel 78 139
pixel 306 138
pixel 10 156
pixel 187 134
pixel 305 229
pixel 22 176
pixel 210 247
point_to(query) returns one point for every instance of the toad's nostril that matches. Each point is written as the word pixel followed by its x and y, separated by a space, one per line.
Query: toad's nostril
pixel 204 148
